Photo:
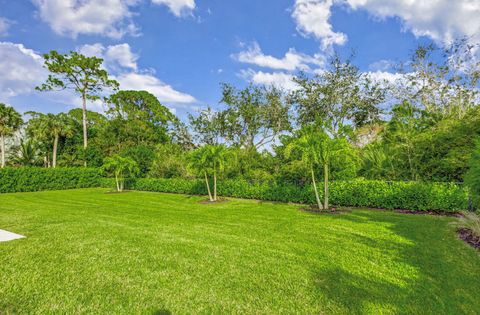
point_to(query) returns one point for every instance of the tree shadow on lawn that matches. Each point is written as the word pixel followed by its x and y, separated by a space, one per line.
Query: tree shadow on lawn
pixel 440 275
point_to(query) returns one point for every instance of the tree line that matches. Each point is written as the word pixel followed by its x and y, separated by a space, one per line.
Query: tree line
pixel 340 123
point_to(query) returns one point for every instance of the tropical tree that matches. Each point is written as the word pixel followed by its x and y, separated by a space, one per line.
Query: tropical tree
pixel 121 167
pixel 82 74
pixel 210 159
pixel 317 148
pixel 26 154
pixel 218 154
pixel 50 127
pixel 10 121
pixel 199 161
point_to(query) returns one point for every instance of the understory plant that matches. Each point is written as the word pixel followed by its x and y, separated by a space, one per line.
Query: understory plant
pixel 121 167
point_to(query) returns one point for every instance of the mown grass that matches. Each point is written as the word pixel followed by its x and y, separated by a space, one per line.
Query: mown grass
pixel 87 251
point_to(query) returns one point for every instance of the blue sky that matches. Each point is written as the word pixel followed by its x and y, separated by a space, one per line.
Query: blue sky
pixel 181 50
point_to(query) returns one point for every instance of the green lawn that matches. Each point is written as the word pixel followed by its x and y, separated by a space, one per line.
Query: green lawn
pixel 88 251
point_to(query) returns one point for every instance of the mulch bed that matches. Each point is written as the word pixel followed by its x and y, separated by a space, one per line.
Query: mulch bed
pixel 208 202
pixel 112 192
pixel 314 210
pixel 444 213
pixel 469 237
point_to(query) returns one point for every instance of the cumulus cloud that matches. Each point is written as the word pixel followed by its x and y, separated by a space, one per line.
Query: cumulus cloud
pixel 177 7
pixel 150 83
pixel 122 62
pixel 21 70
pixel 110 18
pixel 292 60
pixel 312 18
pixel 441 20
pixel 281 80
pixel 115 56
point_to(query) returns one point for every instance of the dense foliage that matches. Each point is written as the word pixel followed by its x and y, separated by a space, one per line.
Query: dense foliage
pixel 356 193
pixel 340 124
pixel 36 178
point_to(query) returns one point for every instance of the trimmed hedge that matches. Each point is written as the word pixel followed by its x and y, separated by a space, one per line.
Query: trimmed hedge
pixel 36 178
pixel 357 193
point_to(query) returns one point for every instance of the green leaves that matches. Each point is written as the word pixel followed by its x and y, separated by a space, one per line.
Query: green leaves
pixel 10 120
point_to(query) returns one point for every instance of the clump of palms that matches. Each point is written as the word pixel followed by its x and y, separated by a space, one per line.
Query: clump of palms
pixel 25 154
pixel 49 128
pixel 210 159
pixel 316 148
pixel 122 168
pixel 10 122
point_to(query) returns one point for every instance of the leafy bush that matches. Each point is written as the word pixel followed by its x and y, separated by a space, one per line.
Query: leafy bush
pixel 36 178
pixel 356 193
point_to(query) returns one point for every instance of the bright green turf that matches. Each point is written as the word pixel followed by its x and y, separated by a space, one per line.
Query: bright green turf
pixel 87 251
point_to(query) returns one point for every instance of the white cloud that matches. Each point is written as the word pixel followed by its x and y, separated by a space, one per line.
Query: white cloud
pixel 441 20
pixel 115 56
pixel 312 18
pixel 122 62
pixel 21 70
pixel 111 18
pixel 281 80
pixel 177 7
pixel 4 26
pixel 150 83
pixel 292 60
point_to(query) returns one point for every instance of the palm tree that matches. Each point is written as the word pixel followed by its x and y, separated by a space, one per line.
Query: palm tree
pixel 61 125
pixel 50 127
pixel 26 154
pixel 218 155
pixel 210 158
pixel 199 160
pixel 307 145
pixel 121 167
pixel 317 148
pixel 10 121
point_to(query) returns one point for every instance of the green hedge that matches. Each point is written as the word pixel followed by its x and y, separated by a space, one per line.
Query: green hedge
pixel 356 193
pixel 36 178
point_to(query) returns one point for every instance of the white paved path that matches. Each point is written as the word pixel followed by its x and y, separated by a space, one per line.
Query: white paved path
pixel 8 236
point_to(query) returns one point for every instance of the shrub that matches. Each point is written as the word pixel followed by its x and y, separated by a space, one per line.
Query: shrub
pixel 355 193
pixel 36 178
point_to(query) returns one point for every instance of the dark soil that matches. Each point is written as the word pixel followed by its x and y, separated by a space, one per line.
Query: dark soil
pixel 208 202
pixel 117 192
pixel 469 237
pixel 314 210
pixel 444 213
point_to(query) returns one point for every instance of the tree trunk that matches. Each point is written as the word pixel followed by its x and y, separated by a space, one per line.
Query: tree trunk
pixel 84 122
pixel 317 197
pixel 117 183
pixel 208 187
pixel 55 147
pixel 214 184
pixel 2 144
pixel 325 186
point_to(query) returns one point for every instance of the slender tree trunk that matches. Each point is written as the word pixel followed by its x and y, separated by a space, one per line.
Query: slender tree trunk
pixel 325 186
pixel 214 184
pixel 2 144
pixel 317 197
pixel 116 182
pixel 84 122
pixel 55 147
pixel 208 187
